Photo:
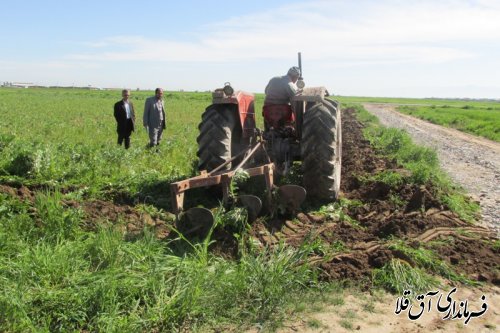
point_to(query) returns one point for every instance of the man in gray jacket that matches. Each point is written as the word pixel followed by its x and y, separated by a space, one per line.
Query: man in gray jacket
pixel 154 117
pixel 280 90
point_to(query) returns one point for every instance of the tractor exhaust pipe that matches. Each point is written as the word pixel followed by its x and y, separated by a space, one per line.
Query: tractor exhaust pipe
pixel 300 66
pixel 300 81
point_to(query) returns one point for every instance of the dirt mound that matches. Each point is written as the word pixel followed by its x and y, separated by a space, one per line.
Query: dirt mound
pixel 130 220
pixel 21 192
pixel 472 256
pixel 99 212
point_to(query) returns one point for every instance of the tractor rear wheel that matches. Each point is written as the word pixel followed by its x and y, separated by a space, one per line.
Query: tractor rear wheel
pixel 220 136
pixel 321 151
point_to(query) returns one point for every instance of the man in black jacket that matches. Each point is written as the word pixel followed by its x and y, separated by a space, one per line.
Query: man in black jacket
pixel 125 118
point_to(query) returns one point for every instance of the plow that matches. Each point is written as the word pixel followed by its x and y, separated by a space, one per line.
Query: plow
pixel 229 143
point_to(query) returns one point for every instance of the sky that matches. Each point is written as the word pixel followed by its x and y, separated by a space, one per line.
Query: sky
pixel 385 48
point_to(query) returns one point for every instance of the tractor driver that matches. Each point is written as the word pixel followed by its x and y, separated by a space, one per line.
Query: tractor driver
pixel 277 111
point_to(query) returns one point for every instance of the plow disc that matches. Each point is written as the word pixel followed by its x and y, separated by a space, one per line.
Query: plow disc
pixel 291 196
pixel 195 222
pixel 252 204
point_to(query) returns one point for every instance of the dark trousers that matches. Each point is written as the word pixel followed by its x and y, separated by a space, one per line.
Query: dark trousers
pixel 124 134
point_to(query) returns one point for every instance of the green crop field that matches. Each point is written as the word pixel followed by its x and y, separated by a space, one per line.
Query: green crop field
pixel 480 119
pixel 419 101
pixel 68 137
pixel 57 276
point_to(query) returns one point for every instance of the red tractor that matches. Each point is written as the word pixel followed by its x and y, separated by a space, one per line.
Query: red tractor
pixel 229 141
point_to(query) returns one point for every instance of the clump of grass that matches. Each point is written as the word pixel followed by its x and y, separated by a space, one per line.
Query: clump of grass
pixel 239 178
pixel 59 223
pixel 347 324
pixel 21 165
pixel 314 323
pixel 336 211
pixel 428 260
pixel 318 246
pixel 463 206
pixel 391 178
pixel 369 306
pixel 235 221
pixel 337 301
pixel 396 200
pixel 397 276
pixel 395 143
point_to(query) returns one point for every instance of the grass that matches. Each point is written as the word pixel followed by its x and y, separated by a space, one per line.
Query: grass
pixel 420 101
pixel 481 120
pixel 336 211
pixel 314 323
pixel 57 277
pixel 390 178
pixel 347 324
pixel 428 260
pixel 74 141
pixel 369 306
pixel 398 275
pixel 73 144
pixel 337 301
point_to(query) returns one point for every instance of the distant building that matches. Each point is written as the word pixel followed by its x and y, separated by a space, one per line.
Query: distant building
pixel 22 84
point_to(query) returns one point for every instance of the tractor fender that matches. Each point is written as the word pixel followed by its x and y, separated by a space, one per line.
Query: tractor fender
pixel 246 109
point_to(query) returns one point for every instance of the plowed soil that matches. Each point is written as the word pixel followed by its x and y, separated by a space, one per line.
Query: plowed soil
pixel 417 217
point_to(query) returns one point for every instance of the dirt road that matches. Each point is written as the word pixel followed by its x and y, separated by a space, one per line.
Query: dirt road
pixel 472 162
